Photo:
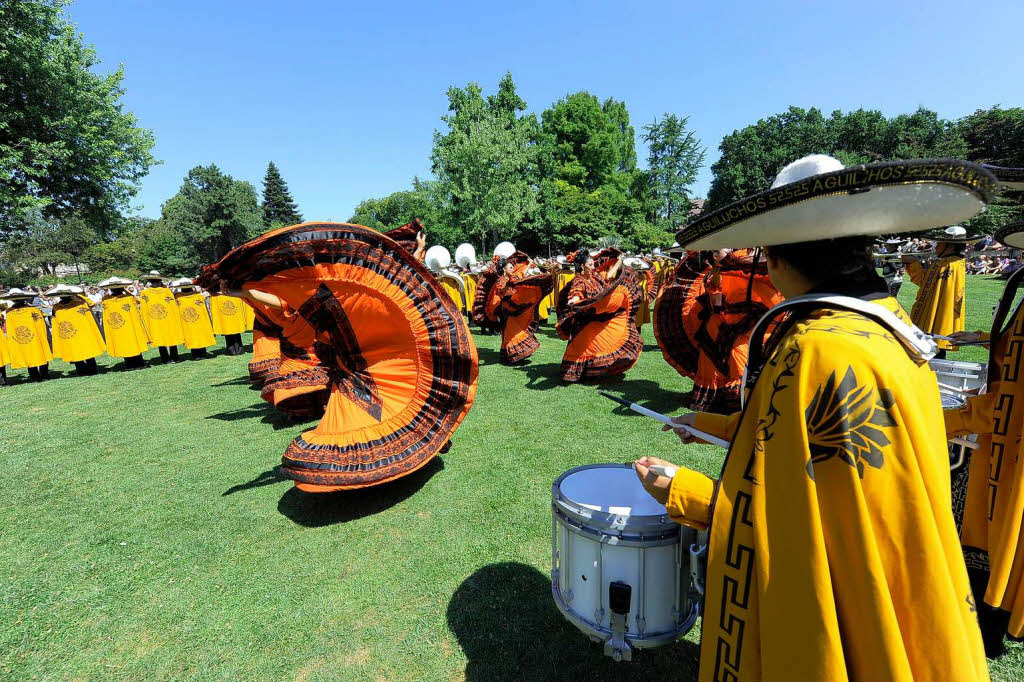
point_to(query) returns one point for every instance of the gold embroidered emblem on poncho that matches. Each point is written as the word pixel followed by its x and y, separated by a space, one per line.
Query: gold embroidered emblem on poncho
pixel 115 320
pixel 190 315
pixel 848 421
pixel 157 311
pixel 66 330
pixel 228 308
pixel 23 335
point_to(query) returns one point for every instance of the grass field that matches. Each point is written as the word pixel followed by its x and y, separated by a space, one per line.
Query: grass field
pixel 145 534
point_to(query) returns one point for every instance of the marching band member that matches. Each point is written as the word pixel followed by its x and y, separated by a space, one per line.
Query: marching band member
pixel 599 318
pixel 228 317
pixel 520 295
pixel 196 327
pixel 939 306
pixel 832 552
pixel 122 325
pixel 161 316
pixel 76 336
pixel 5 353
pixel 992 512
pixel 26 335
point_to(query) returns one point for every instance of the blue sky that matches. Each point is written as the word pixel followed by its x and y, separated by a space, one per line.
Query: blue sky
pixel 345 97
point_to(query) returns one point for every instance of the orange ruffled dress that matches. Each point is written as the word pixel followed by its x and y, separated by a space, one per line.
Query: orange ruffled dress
pixel 520 298
pixel 401 361
pixel 266 348
pixel 601 327
pixel 703 320
pixel 299 385
pixel 486 300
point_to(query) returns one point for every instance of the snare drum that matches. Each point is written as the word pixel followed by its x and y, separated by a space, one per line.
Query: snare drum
pixel 964 377
pixel 958 453
pixel 620 567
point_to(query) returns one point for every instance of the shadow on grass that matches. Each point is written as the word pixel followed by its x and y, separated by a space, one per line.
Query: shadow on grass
pixel 234 382
pixel 645 392
pixel 266 414
pixel 315 510
pixel 268 477
pixel 488 356
pixel 509 628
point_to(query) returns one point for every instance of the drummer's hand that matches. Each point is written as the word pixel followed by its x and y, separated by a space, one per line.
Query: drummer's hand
pixel 966 337
pixel 421 240
pixel 656 486
pixel 683 420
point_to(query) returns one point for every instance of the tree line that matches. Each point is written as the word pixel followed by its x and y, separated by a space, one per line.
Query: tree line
pixel 72 159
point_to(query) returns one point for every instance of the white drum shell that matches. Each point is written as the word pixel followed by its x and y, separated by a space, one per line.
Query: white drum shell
pixel 967 377
pixel 592 549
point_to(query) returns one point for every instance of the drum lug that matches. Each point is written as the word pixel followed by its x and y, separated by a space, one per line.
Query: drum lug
pixel 641 625
pixel 616 646
pixel 599 616
pixel 568 597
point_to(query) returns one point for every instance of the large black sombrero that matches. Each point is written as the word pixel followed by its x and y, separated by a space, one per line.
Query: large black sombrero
pixel 816 198
pixel 1009 178
pixel 402 365
pixel 1011 235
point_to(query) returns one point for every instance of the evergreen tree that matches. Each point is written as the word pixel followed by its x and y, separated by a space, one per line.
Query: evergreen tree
pixel 278 206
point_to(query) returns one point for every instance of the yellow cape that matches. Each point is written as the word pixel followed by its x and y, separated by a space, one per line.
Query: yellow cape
pixel 993 524
pixel 250 316
pixel 939 306
pixel 228 314
pixel 75 334
pixel 195 321
pixel 5 354
pixel 470 281
pixel 122 326
pixel 453 290
pixel 833 554
pixel 160 315
pixel 26 336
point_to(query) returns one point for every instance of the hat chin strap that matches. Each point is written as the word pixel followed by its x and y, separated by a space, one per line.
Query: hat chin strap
pixel 918 345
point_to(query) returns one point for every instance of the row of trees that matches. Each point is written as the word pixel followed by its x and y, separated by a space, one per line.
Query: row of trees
pixel 569 177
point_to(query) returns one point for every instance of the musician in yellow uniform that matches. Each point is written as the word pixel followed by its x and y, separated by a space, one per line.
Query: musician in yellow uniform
pixel 26 335
pixel 940 303
pixel 161 316
pixel 5 354
pixel 76 337
pixel 195 318
pixel 228 313
pixel 122 323
pixel 832 552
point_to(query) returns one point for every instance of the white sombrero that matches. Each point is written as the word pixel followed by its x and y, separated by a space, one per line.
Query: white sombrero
pixel 1009 178
pixel 16 293
pixel 504 249
pixel 115 283
pixel 64 290
pixel 152 276
pixel 1011 235
pixel 182 283
pixel 817 198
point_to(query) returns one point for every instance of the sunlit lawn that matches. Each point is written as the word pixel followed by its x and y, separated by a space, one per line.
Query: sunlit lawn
pixel 145 534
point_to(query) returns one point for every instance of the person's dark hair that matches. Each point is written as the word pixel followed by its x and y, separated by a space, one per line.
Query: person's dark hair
pixel 847 259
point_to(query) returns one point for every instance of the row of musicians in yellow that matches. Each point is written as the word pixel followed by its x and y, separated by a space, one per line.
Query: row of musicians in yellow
pixel 462 286
pixel 162 316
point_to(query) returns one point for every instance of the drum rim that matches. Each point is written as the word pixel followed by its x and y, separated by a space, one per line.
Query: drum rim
pixel 589 627
pixel 632 524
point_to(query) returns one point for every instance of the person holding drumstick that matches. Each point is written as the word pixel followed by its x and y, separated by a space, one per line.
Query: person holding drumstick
pixel 940 304
pixel 832 551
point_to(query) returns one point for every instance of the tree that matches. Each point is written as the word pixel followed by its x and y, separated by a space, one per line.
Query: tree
pixel 44 243
pixel 996 136
pixel 674 157
pixel 753 156
pixel 278 207
pixel 66 144
pixel 423 201
pixel 211 214
pixel 485 161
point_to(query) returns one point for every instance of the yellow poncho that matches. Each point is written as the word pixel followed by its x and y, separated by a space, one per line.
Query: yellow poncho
pixel 122 326
pixel 939 306
pixel 5 354
pixel 26 337
pixel 195 321
pixel 228 314
pixel 160 315
pixel 250 316
pixel 833 554
pixel 470 281
pixel 993 524
pixel 454 291
pixel 76 337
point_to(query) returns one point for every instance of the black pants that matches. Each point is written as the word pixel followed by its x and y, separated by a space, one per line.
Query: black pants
pixel 134 362
pixel 992 621
pixel 168 354
pixel 3 376
pixel 87 367
pixel 40 373
pixel 233 343
pixel 198 353
pixel 941 355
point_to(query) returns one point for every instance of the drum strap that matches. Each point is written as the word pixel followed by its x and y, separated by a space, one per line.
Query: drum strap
pixel 918 345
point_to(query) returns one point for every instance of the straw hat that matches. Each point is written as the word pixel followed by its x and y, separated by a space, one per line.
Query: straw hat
pixel 17 294
pixel 817 198
pixel 64 290
pixel 152 276
pixel 115 283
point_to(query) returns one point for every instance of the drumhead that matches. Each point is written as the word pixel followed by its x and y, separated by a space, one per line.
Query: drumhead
pixel 952 401
pixel 610 489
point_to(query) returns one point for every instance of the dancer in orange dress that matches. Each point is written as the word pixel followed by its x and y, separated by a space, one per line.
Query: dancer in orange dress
pixel 520 295
pixel 486 301
pixel 401 362
pixel 598 317
pixel 266 348
pixel 703 321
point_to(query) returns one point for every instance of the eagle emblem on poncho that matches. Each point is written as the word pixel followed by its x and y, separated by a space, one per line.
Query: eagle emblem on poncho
pixel 115 320
pixel 66 330
pixel 189 315
pixel 228 308
pixel 157 311
pixel 23 335
pixel 848 421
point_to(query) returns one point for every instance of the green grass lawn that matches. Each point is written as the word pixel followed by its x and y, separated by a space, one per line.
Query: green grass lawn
pixel 145 534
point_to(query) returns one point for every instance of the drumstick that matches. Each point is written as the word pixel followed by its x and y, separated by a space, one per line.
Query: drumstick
pixel 665 419
pixel 662 470
pixel 942 337
pixel 964 442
